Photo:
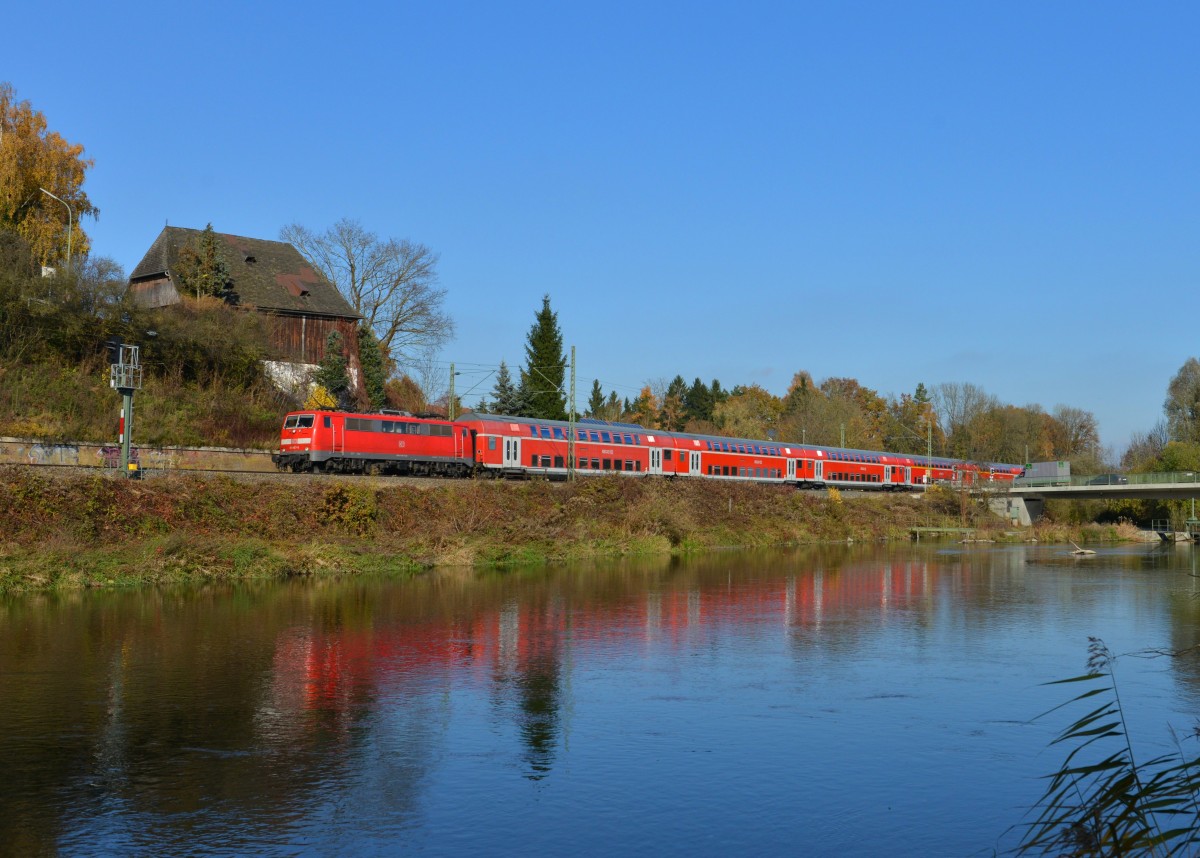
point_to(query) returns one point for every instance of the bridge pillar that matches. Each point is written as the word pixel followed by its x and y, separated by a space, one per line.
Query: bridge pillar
pixel 1018 510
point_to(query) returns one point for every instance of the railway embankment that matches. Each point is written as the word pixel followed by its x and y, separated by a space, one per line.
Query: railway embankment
pixel 64 529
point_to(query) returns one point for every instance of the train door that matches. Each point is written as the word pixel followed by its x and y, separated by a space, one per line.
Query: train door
pixel 907 476
pixel 512 452
pixel 791 469
pixel 656 461
pixel 337 439
pixel 887 475
pixel 695 466
pixel 819 470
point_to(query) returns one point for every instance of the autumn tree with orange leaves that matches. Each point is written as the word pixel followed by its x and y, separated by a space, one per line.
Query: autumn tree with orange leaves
pixel 33 158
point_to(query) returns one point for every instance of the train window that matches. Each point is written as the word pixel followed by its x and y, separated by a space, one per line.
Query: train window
pixel 581 464
pixel 604 437
pixel 533 431
pixel 327 422
pixel 545 461
pixel 637 466
pixel 595 436
pixel 558 433
pixel 608 464
pixel 558 462
pixel 637 439
pixel 533 460
pixel 667 454
pixel 580 435
pixel 545 431
pixel 628 439
pixel 595 464
pixel 492 443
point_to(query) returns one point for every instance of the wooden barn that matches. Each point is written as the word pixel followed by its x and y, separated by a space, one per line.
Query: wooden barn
pixel 269 277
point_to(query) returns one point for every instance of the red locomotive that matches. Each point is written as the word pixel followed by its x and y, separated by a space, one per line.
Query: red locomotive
pixel 502 446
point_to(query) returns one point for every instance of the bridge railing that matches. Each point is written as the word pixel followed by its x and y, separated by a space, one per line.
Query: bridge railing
pixel 1174 477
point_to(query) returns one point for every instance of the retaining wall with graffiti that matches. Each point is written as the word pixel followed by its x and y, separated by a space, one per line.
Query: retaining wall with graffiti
pixel 14 451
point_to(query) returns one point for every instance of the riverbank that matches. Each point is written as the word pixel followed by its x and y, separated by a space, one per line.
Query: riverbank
pixel 81 530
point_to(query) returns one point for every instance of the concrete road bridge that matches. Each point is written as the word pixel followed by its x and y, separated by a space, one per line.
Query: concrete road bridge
pixel 1023 501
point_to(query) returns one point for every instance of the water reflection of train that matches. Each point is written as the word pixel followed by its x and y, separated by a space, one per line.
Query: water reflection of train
pixel 497 445
pixel 517 650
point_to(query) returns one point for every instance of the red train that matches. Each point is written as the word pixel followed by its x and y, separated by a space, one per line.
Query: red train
pixel 500 446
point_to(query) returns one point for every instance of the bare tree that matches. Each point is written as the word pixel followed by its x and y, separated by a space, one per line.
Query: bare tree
pixel 957 406
pixel 1075 432
pixel 392 283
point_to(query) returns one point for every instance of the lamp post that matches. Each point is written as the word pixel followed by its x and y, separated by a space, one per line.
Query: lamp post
pixel 70 223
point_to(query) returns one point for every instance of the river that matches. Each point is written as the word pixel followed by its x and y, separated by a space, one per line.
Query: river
pixel 846 701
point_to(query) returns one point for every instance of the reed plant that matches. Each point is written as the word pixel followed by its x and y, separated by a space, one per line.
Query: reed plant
pixel 1104 800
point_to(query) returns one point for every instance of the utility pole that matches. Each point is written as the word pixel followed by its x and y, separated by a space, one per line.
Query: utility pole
pixel 450 405
pixel 571 423
pixel 928 453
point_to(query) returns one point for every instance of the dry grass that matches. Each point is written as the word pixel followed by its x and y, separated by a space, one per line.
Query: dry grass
pixel 64 530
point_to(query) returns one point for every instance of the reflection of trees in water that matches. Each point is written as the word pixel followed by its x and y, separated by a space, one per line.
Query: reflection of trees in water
pixel 540 702
pixel 268 701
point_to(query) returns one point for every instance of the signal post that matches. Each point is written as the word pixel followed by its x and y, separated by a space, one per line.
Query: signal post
pixel 125 376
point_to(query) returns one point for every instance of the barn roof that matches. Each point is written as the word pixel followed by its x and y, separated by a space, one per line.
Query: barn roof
pixel 269 275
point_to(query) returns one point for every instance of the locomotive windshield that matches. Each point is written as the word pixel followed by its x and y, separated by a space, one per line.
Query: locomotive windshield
pixel 298 421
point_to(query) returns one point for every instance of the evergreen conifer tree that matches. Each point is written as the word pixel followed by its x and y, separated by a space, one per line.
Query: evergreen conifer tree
pixel 506 399
pixel 331 372
pixel 596 400
pixel 201 267
pixel 545 366
pixel 373 368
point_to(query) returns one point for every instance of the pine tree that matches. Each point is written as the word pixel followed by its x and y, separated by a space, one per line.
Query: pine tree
pixel 596 400
pixel 697 403
pixel 613 408
pixel 671 414
pixel 331 372
pixel 201 267
pixel 545 367
pixel 506 399
pixel 374 374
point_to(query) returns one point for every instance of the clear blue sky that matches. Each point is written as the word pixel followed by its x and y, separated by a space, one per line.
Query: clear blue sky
pixel 1004 194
